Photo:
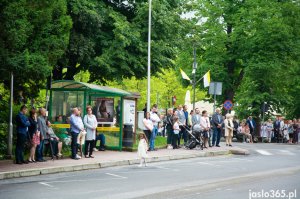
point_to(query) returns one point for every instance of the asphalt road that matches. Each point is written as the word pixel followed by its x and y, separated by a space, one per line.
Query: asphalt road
pixel 270 167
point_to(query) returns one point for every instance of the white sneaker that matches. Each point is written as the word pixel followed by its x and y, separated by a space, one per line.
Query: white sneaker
pixel 77 156
pixel 94 149
pixel 169 147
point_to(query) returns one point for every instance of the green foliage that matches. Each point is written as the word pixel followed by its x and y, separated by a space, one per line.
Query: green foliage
pixel 252 47
pixel 3 139
pixel 109 38
pixel 34 34
pixel 163 86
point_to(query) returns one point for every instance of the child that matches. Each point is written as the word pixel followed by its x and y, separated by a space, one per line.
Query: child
pixel 142 149
pixel 176 130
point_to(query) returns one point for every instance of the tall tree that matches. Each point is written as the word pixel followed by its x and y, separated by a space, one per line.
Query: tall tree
pixel 248 39
pixel 33 37
pixel 109 38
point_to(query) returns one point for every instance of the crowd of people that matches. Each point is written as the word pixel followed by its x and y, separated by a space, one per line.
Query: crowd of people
pixel 176 125
pixel 178 122
pixel 36 132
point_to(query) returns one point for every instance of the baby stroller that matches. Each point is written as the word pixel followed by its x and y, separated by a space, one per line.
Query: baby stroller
pixel 196 138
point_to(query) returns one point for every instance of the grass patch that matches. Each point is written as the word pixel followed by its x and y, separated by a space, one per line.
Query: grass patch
pixel 160 142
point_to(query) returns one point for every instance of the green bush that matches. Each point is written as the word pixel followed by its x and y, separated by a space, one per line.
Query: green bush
pixel 3 139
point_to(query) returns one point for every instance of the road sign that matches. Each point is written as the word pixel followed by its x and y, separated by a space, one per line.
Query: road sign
pixel 228 105
pixel 215 88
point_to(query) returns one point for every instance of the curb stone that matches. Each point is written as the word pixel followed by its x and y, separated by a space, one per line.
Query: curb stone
pixel 97 165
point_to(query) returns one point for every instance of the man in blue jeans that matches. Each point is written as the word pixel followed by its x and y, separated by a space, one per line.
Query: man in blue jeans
pixel 100 137
pixel 217 121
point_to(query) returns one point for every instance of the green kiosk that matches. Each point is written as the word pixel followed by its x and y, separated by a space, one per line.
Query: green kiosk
pixel 113 108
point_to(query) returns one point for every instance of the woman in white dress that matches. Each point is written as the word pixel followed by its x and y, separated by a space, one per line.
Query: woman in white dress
pixel 142 149
pixel 228 129
pixel 90 123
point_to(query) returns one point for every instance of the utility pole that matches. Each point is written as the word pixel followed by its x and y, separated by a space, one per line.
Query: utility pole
pixel 194 77
pixel 149 57
pixel 10 134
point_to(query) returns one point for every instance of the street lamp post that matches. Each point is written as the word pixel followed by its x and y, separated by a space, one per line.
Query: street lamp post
pixel 149 57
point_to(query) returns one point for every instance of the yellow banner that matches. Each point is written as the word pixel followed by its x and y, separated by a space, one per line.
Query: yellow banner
pixel 109 129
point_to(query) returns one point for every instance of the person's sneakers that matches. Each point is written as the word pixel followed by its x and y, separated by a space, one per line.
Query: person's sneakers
pixel 95 149
pixel 230 145
pixel 102 149
pixel 169 147
pixel 217 145
pixel 77 156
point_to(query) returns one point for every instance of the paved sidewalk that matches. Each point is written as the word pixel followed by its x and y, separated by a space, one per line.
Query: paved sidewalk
pixel 107 159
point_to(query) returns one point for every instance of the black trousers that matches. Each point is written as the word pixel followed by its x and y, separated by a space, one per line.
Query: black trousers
pixel 21 139
pixel 174 140
pixel 88 147
pixel 182 135
pixel 148 134
pixel 54 145
pixel 74 145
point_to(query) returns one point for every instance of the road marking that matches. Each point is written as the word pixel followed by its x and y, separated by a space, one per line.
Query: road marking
pixel 243 159
pixel 206 163
pixel 160 167
pixel 118 176
pixel 287 152
pixel 45 184
pixel 263 152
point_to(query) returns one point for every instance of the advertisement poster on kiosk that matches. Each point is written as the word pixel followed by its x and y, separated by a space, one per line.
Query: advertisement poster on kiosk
pixel 104 110
pixel 129 112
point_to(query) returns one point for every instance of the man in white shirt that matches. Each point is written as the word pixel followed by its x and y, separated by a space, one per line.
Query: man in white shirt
pixel 155 119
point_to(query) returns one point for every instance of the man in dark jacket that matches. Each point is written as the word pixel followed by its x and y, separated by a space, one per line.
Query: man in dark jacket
pixel 217 121
pixel 251 123
pixel 22 134
pixel 168 122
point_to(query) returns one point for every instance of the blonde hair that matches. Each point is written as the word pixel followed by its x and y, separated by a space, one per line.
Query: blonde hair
pixel 144 136
pixel 228 115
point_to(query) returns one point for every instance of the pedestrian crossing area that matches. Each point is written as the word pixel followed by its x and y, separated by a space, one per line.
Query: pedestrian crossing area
pixel 270 152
